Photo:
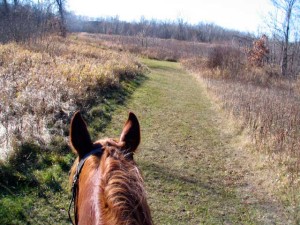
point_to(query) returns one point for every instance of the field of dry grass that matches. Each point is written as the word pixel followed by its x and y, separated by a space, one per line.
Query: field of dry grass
pixel 43 82
pixel 155 48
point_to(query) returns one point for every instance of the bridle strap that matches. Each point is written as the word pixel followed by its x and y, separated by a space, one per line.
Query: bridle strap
pixel 76 177
pixel 70 205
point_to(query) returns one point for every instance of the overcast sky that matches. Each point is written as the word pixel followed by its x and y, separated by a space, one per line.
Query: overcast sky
pixel 243 15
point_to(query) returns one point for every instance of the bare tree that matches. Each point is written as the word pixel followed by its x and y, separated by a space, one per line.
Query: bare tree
pixel 283 18
pixel 6 8
pixel 21 20
pixel 62 22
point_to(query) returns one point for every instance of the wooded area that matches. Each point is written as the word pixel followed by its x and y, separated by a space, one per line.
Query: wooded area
pixel 179 29
pixel 26 20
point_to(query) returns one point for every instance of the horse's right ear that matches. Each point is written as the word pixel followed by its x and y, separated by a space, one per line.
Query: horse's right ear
pixel 79 135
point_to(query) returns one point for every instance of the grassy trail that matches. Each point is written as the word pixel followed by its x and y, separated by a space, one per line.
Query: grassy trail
pixel 184 152
pixel 194 167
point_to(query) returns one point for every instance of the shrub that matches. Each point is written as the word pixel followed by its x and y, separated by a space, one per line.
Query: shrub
pixel 259 53
pixel 225 62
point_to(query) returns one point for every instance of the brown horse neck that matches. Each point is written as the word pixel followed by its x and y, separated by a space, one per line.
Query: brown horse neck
pixel 111 191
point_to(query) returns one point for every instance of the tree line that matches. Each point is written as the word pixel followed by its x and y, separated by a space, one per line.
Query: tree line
pixel 178 29
pixel 24 19
pixel 21 20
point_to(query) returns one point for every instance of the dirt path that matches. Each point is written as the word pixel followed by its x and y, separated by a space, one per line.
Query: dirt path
pixel 192 172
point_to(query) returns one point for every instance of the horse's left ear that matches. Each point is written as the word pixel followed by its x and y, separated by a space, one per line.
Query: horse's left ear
pixel 131 135
pixel 79 135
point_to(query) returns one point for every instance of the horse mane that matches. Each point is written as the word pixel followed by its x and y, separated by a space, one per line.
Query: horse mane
pixel 122 195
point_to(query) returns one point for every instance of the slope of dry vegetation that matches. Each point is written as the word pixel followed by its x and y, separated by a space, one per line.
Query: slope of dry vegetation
pixel 43 82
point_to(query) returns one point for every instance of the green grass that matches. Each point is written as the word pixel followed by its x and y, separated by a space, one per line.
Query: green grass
pixel 33 187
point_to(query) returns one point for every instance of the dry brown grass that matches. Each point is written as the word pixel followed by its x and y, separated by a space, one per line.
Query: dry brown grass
pixel 273 118
pixel 43 82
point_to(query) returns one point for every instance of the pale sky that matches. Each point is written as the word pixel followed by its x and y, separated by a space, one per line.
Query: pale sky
pixel 243 15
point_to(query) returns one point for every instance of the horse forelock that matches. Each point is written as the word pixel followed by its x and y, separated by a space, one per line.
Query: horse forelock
pixel 122 196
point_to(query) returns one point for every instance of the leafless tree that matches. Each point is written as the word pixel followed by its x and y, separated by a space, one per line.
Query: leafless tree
pixel 22 20
pixel 6 8
pixel 283 19
pixel 62 23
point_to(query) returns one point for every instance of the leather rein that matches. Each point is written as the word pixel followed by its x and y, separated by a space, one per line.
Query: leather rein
pixel 76 177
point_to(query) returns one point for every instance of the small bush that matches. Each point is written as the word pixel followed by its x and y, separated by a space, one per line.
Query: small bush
pixel 259 53
pixel 227 59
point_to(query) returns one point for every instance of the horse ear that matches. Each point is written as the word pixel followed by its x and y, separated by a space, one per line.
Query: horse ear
pixel 79 135
pixel 131 135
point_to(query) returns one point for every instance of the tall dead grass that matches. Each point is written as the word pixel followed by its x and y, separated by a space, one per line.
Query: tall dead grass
pixel 43 82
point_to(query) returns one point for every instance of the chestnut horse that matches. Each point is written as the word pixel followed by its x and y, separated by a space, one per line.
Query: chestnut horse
pixel 107 185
